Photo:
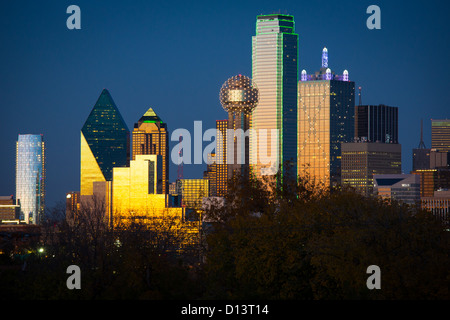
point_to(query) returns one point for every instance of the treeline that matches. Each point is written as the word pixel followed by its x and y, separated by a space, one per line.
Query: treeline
pixel 287 240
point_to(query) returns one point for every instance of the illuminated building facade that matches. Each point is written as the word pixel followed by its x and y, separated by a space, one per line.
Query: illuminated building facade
pixel 192 192
pixel 239 97
pixel 440 134
pixel 432 180
pixel 150 136
pixel 9 209
pixel 221 158
pixel 135 189
pixel 104 143
pixel 361 160
pixel 376 123
pixel 275 72
pixel 404 188
pixel 326 107
pixel 438 204
pixel 30 177
pixel 211 174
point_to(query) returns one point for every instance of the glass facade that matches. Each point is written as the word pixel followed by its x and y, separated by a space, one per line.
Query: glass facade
pixel 404 188
pixel 30 177
pixel 326 111
pixel 150 136
pixel 192 192
pixel 376 123
pixel 440 135
pixel 104 143
pixel 360 161
pixel 275 72
pixel 134 188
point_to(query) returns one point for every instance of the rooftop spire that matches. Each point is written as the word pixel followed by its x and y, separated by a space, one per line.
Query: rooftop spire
pixel 421 144
pixel 324 58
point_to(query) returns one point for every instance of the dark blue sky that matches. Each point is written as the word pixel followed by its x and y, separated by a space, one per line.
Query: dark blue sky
pixel 175 55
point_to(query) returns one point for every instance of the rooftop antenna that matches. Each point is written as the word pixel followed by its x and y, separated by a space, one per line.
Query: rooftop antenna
pixel 421 144
pixel 360 98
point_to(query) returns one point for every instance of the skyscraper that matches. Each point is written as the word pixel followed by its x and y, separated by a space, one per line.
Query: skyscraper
pixel 150 136
pixel 221 158
pixel 238 96
pixel 326 107
pixel 30 177
pixel 376 123
pixel 105 143
pixel 361 160
pixel 440 134
pixel 275 72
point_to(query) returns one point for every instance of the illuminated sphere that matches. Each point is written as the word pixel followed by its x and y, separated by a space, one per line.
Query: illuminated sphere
pixel 239 93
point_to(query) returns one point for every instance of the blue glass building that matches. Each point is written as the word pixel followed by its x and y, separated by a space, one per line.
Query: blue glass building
pixel 30 177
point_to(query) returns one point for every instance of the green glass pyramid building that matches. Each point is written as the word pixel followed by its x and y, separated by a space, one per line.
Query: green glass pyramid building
pixel 105 141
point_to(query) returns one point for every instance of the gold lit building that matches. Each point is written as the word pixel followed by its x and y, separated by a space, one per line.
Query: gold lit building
pixel 326 107
pixel 221 158
pixel 192 192
pixel 150 136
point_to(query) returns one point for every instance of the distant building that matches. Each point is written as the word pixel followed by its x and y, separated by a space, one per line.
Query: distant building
pixel 326 108
pixel 440 134
pixel 404 188
pixel 150 136
pixel 438 204
pixel 275 72
pixel 192 192
pixel 376 123
pixel 362 160
pixel 30 177
pixel 105 144
pixel 211 174
pixel 72 204
pixel 432 180
pixel 221 158
pixel 9 210
pixel 135 191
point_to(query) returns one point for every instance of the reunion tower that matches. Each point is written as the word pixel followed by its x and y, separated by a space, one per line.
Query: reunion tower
pixel 238 96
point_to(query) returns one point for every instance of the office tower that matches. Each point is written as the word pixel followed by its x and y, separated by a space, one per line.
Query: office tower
pixel 376 123
pixel 211 174
pixel 361 160
pixel 221 158
pixel 136 189
pixel 105 143
pixel 403 188
pixel 326 107
pixel 433 179
pixel 438 204
pixel 30 177
pixel 275 72
pixel 192 192
pixel 9 209
pixel 440 135
pixel 239 97
pixel 150 136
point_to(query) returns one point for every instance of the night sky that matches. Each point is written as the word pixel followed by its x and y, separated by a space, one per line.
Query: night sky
pixel 175 55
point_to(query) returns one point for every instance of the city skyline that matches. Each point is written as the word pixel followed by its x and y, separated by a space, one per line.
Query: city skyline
pixel 63 68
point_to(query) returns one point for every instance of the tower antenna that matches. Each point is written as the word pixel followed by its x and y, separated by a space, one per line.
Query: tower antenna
pixel 421 144
pixel 360 98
